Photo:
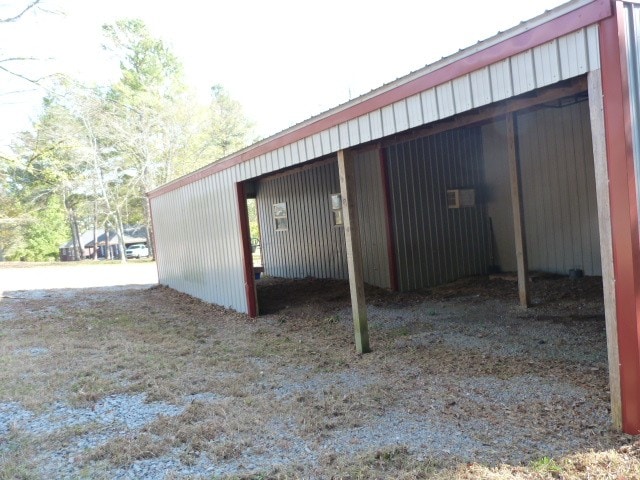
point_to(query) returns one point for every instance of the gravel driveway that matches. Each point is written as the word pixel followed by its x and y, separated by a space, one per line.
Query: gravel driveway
pixel 16 276
pixel 106 376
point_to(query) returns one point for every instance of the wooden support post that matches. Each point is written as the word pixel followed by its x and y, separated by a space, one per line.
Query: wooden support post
pixel 596 111
pixel 346 170
pixel 518 211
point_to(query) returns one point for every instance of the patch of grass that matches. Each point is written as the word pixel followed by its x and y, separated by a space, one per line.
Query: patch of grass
pixel 399 332
pixel 15 469
pixel 90 387
pixel 388 462
pixel 124 451
pixel 17 457
pixel 222 431
pixel 545 465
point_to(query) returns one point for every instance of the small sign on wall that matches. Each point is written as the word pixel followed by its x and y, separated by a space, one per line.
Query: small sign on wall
pixel 336 209
pixel 461 198
pixel 280 216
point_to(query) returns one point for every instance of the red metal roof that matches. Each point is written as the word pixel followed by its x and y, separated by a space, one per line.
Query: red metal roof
pixel 552 24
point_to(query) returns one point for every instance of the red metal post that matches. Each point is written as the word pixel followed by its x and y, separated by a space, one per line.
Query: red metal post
pixel 623 211
pixel 247 258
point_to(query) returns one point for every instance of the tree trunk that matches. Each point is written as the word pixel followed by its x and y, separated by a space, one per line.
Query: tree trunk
pixel 94 255
pixel 120 230
pixel 107 246
pixel 149 227
pixel 78 250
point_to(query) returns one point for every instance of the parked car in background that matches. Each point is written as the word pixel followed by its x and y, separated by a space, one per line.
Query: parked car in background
pixel 138 250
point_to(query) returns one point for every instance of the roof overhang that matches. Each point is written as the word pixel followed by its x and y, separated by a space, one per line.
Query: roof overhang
pixel 554 23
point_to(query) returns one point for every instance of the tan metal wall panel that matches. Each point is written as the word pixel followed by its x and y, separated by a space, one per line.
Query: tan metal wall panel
pixel 198 242
pixel 573 54
pixel 547 64
pixel 317 145
pixel 462 93
pixel 558 185
pixel 388 120
pixel 498 196
pixel 375 118
pixel 263 164
pixel 481 87
pixel 302 151
pixel 288 155
pixel 400 116
pixel 334 135
pixel 313 246
pixel 364 127
pixel 436 244
pixel 280 156
pixel 446 104
pixel 371 217
pixel 251 171
pixel 354 132
pixel 593 46
pixel 309 149
pixel 501 83
pixel 326 141
pixel 343 129
pixel 430 106
pixel 523 72
pixel 414 108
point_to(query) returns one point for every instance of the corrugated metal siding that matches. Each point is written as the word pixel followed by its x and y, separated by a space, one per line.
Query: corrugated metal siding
pixel 313 246
pixel 436 244
pixel 498 195
pixel 210 230
pixel 371 216
pixel 198 241
pixel 559 192
pixel 558 187
pixel 632 19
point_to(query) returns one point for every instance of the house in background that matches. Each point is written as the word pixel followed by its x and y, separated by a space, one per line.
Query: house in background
pixel 66 249
pixel 106 239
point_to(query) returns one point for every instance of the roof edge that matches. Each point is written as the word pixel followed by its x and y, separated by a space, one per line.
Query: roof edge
pixel 551 24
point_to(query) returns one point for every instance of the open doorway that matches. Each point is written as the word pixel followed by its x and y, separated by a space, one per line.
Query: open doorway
pixel 254 233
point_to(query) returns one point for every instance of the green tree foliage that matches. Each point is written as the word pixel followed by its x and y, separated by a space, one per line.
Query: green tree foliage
pixel 94 153
pixel 42 234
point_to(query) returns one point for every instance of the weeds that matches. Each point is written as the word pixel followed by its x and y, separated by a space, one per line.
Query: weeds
pixel 16 457
pixel 545 465
pixel 123 451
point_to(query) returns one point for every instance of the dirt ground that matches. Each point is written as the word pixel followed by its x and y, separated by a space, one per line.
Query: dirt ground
pixel 140 381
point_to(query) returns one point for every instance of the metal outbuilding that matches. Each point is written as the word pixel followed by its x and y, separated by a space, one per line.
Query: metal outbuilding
pixel 522 151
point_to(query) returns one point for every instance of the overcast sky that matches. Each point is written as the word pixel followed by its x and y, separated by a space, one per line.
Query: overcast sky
pixel 284 60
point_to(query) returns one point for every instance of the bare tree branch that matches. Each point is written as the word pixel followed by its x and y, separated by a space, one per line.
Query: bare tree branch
pixel 25 10
pixel 35 81
pixel 16 92
pixel 16 59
